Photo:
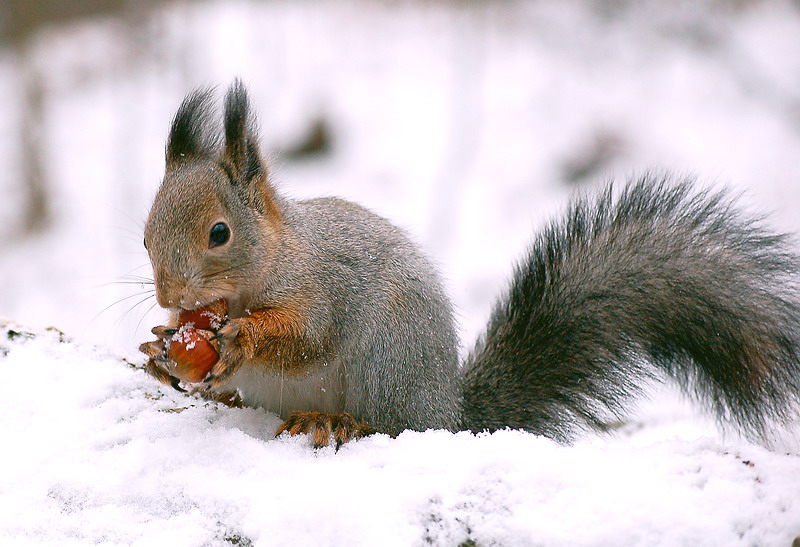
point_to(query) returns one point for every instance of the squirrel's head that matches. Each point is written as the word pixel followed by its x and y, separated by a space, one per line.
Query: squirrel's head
pixel 215 222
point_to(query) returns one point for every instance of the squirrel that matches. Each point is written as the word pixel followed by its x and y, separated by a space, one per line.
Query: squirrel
pixel 341 325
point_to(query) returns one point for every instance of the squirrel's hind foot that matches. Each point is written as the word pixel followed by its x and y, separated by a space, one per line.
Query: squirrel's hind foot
pixel 324 427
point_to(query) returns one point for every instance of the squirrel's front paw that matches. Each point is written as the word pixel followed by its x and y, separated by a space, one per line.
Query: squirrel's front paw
pixel 235 346
pixel 153 348
pixel 155 368
pixel 339 427
pixel 158 348
pixel 156 365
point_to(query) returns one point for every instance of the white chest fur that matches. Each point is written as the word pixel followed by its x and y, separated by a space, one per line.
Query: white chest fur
pixel 321 390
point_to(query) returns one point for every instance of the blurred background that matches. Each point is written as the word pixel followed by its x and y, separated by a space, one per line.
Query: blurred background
pixel 469 123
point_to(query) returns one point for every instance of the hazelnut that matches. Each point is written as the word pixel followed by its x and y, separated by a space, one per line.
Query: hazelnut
pixel 193 354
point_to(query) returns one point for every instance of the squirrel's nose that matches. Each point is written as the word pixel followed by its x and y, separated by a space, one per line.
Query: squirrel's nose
pixel 168 293
pixel 164 300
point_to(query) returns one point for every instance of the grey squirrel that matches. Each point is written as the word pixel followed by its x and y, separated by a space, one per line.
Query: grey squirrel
pixel 337 321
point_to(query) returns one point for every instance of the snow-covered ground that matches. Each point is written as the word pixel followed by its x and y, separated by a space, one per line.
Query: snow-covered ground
pixel 469 124
pixel 97 452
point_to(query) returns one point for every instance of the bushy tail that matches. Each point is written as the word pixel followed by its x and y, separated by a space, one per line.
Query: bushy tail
pixel 660 277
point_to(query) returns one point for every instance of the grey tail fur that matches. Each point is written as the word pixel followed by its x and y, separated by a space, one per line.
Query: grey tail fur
pixel 659 279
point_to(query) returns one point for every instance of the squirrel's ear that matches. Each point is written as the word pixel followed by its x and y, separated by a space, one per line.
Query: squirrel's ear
pixel 241 157
pixel 188 136
pixel 241 154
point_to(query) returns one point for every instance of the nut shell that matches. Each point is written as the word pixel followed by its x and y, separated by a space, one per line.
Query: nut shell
pixel 209 317
pixel 193 354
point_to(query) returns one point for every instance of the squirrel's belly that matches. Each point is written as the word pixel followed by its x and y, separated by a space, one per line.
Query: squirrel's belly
pixel 321 390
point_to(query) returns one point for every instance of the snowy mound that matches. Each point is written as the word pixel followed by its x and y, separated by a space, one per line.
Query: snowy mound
pixel 96 452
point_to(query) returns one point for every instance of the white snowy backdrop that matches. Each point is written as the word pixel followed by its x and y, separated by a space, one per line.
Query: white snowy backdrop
pixel 467 123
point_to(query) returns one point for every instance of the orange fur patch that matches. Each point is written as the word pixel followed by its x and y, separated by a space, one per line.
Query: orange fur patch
pixel 281 322
pixel 277 338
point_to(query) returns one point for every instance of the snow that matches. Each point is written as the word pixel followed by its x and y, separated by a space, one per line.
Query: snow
pixel 97 452
pixel 459 121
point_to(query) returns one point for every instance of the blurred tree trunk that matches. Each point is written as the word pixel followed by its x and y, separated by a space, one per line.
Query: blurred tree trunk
pixel 20 20
pixel 36 213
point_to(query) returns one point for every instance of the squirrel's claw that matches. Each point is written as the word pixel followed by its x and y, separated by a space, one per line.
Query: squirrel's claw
pixel 219 373
pixel 325 427
pixel 154 369
pixel 229 332
pixel 156 350
pixel 164 332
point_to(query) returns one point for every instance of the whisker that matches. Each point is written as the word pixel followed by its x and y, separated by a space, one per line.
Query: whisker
pixel 139 324
pixel 140 266
pixel 133 308
pixel 225 271
pixel 132 282
pixel 123 299
pixel 130 275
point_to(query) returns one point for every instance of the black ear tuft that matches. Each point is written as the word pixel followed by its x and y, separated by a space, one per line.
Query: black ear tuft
pixel 237 107
pixel 189 136
pixel 241 144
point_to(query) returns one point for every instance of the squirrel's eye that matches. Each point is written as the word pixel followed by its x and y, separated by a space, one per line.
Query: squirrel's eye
pixel 144 242
pixel 219 235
